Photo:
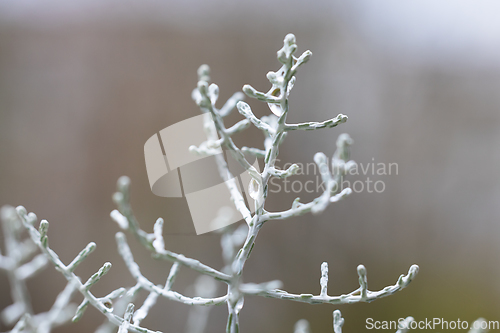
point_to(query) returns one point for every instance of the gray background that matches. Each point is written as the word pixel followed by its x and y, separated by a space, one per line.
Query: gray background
pixel 84 84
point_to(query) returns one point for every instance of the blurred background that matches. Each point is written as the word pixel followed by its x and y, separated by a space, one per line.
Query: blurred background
pixel 84 84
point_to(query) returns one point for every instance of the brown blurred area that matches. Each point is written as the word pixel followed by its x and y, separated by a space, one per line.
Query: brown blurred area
pixel 80 97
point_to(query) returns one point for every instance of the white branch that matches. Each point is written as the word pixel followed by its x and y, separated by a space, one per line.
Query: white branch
pixel 238 127
pixel 246 111
pixel 324 279
pixel 338 321
pixel 231 104
pixel 135 271
pixel 121 199
pixel 302 326
pixel 292 170
pixel 41 240
pixel 309 126
pixel 354 297
pixel 301 209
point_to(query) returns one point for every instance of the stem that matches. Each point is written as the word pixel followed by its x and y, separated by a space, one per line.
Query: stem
pixel 257 221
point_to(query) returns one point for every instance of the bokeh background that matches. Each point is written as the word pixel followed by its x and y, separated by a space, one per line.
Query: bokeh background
pixel 84 84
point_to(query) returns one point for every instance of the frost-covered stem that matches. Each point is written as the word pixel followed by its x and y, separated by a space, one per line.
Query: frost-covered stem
pixel 134 270
pixel 81 256
pixel 24 324
pixel 238 127
pixel 363 281
pixel 40 239
pixel 244 253
pixel 59 312
pixel 235 298
pixel 233 324
pixel 12 261
pixel 203 99
pixel 359 295
pixel 404 326
pixel 270 159
pixel 126 319
pixel 230 181
pixel 254 151
pixel 198 315
pixel 193 264
pixel 119 307
pixel 324 279
pixel 277 98
pixel 206 103
pixel 246 111
pixel 206 98
pixel 317 125
pixel 126 219
pixel 143 311
pixel 338 321
pixel 172 275
pixel 234 305
pixel 18 251
pixel 480 325
pixel 302 326
pixel 303 208
pixel 230 243
pixel 332 181
pixel 231 103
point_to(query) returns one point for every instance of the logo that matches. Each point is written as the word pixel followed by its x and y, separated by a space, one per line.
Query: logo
pixel 175 172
